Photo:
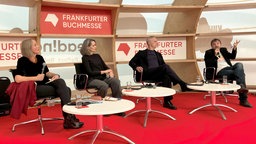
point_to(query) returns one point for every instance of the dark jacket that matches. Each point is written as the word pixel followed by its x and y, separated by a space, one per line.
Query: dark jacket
pixel 140 59
pixel 212 61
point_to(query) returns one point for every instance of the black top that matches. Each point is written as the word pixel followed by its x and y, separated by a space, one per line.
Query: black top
pixel 152 59
pixel 93 65
pixel 27 68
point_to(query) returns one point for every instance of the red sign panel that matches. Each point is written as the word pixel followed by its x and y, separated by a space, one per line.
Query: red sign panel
pixel 55 20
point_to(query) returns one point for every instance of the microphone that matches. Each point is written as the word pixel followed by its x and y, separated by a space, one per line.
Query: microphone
pixel 44 64
pixel 218 54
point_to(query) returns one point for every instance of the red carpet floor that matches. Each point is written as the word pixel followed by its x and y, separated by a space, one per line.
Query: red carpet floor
pixel 205 126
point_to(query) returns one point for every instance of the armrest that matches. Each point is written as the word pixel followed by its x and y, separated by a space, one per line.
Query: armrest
pixel 137 76
pixel 80 81
pixel 209 73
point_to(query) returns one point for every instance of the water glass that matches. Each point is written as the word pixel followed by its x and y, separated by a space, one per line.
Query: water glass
pixel 128 85
pixel 198 79
pixel 79 102
pixel 225 79
pixel 50 103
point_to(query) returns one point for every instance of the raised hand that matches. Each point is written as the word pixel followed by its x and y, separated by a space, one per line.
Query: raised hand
pixel 236 43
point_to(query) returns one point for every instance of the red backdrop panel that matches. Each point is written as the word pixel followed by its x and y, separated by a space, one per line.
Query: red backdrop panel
pixel 55 20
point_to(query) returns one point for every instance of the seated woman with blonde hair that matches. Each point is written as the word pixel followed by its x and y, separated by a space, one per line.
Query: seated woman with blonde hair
pixel 31 67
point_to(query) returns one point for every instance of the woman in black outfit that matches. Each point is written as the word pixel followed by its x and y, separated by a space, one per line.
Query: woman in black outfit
pixel 99 74
pixel 31 67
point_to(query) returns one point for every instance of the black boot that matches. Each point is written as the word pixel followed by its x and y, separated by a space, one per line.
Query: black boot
pixel 245 103
pixel 71 122
pixel 168 104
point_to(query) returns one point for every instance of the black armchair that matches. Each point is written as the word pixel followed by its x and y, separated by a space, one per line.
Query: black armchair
pixel 80 80
pixel 43 93
pixel 137 77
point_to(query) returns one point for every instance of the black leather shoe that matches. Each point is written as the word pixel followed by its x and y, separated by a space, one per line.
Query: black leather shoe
pixel 184 88
pixel 122 114
pixel 242 90
pixel 71 122
pixel 73 125
pixel 245 104
pixel 169 105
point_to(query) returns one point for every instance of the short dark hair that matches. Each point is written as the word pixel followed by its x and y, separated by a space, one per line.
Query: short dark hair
pixel 215 40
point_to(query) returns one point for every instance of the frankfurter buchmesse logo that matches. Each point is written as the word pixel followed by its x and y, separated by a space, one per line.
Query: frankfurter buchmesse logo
pixel 52 18
pixel 124 47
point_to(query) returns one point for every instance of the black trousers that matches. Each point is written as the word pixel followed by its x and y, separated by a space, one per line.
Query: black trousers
pixel 163 74
pixel 160 73
pixel 56 88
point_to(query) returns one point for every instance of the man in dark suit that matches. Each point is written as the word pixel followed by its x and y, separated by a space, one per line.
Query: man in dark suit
pixel 152 65
pixel 219 58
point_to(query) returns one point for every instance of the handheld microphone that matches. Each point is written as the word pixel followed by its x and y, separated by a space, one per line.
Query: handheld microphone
pixel 218 54
pixel 44 64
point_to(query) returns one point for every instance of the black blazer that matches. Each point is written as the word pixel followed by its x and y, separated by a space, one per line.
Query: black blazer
pixel 212 61
pixel 140 59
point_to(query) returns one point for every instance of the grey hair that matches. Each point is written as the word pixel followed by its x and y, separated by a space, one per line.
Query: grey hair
pixel 87 43
pixel 25 48
pixel 149 38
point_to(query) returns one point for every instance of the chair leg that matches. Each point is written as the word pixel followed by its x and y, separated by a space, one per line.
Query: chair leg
pixel 231 94
pixel 218 94
pixel 161 102
pixel 207 95
pixel 137 101
pixel 40 119
pixel 223 94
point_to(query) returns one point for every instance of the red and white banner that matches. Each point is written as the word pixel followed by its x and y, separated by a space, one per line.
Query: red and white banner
pixel 10 51
pixel 55 20
pixel 170 48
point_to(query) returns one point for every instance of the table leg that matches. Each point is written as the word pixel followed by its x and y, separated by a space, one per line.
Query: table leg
pixel 226 107
pixel 163 113
pixel 196 109
pixel 134 112
pixel 148 110
pixel 101 130
pixel 119 135
pixel 213 103
pixel 213 97
pixel 220 111
pixel 146 118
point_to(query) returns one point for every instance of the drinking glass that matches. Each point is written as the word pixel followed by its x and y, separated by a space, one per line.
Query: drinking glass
pixel 225 79
pixel 129 86
pixel 79 102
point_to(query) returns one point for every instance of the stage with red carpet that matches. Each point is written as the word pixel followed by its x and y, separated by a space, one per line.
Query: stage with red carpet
pixel 205 126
